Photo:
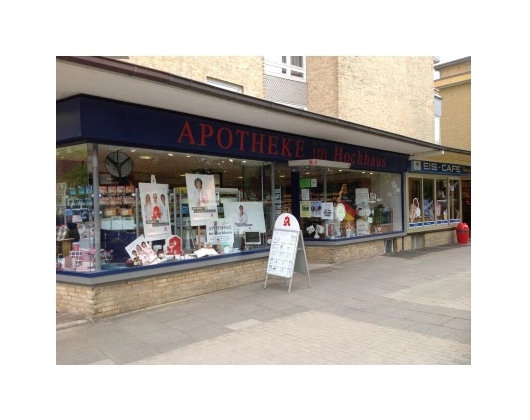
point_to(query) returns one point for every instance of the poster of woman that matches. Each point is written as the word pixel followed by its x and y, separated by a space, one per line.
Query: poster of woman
pixel 155 215
pixel 201 198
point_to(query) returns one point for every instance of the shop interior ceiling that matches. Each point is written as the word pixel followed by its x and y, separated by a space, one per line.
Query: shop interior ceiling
pixel 171 167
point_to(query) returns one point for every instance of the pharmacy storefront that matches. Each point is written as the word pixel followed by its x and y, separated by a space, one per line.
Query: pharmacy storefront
pixel 155 206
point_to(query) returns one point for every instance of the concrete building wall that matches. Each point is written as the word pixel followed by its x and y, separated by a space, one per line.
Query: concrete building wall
pixel 246 71
pixel 389 93
pixel 394 94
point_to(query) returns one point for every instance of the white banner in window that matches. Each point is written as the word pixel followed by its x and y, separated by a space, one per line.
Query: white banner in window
pixel 154 202
pixel 201 198
pixel 246 215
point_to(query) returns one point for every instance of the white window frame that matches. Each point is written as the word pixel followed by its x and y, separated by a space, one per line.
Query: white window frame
pixel 282 66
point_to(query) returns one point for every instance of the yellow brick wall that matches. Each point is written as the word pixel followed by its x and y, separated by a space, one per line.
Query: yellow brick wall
pixel 322 85
pixel 454 86
pixel 75 299
pixel 101 301
pixel 340 254
pixel 389 93
pixel 239 70
pixel 455 122
pixel 438 238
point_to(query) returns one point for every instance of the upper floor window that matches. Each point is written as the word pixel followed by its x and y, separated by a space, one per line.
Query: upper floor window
pixel 290 66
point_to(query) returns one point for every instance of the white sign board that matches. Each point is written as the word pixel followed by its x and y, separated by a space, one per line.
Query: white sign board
pixel 246 216
pixel 340 212
pixel 287 253
pixel 221 230
pixel 283 253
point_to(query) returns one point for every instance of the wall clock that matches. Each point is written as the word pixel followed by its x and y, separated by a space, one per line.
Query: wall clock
pixel 118 164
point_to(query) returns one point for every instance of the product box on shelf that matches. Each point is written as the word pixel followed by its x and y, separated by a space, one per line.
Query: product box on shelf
pixel 128 223
pixel 116 223
pixel 106 223
pixel 128 201
pixel 126 212
pixel 109 212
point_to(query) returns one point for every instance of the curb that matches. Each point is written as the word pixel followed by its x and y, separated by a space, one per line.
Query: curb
pixel 70 324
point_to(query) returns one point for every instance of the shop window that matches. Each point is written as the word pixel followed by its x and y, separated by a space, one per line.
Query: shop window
pixel 433 201
pixel 428 204
pixel 338 204
pixel 440 204
pixel 454 200
pixel 121 202
pixel 415 197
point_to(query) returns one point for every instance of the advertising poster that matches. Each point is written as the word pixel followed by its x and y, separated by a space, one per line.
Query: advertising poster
pixel 154 202
pixel 305 208
pixel 327 210
pixel 316 209
pixel 141 252
pixel 246 216
pixel 221 230
pixel 201 198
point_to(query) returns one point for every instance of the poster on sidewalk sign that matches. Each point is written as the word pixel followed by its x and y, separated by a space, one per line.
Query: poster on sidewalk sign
pixel 287 254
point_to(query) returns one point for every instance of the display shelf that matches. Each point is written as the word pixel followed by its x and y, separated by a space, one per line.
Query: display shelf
pixel 118 207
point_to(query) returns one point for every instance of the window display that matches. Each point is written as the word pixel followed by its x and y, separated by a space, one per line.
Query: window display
pixel 433 201
pixel 371 201
pixel 198 194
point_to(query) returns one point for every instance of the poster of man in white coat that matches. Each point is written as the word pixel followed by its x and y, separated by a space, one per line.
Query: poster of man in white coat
pixel 246 215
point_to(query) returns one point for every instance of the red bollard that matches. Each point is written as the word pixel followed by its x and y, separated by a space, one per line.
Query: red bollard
pixel 462 233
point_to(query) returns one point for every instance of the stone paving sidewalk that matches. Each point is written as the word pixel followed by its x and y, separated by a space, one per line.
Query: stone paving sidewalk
pixel 382 310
